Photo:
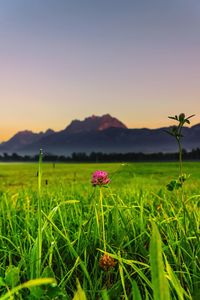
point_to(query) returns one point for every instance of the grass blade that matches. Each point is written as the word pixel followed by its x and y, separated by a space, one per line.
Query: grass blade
pixel 28 284
pixel 176 283
pixel 80 294
pixel 136 292
pixel 159 281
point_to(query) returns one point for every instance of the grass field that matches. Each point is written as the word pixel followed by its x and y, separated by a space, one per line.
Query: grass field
pixel 63 230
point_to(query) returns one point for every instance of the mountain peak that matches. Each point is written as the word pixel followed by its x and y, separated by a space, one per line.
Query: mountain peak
pixel 49 131
pixel 94 123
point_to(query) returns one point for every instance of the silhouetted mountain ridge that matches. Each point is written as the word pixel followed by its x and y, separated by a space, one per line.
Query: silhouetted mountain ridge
pixel 100 134
pixel 23 138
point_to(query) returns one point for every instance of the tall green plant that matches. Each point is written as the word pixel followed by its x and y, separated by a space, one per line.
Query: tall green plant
pixel 176 132
pixel 39 237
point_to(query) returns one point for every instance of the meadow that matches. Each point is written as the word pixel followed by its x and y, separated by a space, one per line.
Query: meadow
pixel 54 224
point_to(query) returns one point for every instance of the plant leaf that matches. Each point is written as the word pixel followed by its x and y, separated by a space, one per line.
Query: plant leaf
pixel 79 294
pixel 136 292
pixel 159 281
pixel 12 276
pixel 173 118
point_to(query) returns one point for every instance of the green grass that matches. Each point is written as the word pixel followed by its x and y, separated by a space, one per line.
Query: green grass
pixel 70 232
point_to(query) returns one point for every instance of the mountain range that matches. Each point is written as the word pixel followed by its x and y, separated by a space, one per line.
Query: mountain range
pixel 99 134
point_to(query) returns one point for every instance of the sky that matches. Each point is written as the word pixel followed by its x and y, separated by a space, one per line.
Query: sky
pixel 60 60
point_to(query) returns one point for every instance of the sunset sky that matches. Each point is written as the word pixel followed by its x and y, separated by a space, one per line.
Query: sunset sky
pixel 138 60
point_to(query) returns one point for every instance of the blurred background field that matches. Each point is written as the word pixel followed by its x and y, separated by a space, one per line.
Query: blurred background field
pixel 152 176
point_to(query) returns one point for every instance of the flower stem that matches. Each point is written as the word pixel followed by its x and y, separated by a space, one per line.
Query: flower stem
pixel 102 217
pixel 180 159
pixel 181 181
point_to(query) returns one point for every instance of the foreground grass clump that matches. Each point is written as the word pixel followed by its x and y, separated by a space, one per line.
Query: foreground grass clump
pixel 153 245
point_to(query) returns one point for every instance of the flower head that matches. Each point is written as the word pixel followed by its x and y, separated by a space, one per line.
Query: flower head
pixel 100 178
pixel 106 262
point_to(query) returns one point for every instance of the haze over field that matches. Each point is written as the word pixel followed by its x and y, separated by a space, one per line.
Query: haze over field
pixel 60 60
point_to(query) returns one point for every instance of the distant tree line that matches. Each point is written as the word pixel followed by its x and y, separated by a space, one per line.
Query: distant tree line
pixel 104 157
